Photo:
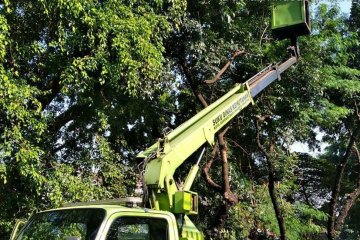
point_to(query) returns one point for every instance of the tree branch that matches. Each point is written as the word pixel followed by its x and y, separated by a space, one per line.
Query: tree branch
pixel 331 232
pixel 303 190
pixel 350 199
pixel 207 167
pixel 262 35
pixel 239 146
pixel 225 67
pixel 228 195
pixel 54 87
pixel 193 86
pixel 70 114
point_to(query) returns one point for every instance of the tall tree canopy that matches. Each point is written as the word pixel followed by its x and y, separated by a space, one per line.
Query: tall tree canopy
pixel 77 81
pixel 85 85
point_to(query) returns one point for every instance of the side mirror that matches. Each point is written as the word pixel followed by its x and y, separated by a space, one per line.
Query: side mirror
pixel 20 223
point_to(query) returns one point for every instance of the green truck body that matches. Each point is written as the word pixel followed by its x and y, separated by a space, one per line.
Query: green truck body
pixel 80 224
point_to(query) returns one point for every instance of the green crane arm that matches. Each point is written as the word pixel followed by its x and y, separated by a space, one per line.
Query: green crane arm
pixel 164 157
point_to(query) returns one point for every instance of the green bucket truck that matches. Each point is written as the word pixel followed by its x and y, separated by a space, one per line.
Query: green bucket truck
pixel 164 213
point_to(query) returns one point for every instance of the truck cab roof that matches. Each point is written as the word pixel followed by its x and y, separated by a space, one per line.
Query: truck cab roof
pixel 129 204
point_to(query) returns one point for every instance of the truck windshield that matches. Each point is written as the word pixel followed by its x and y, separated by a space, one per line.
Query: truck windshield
pixel 64 224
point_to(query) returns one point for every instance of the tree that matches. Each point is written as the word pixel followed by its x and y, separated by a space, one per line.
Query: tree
pixel 197 59
pixel 296 108
pixel 78 81
pixel 85 86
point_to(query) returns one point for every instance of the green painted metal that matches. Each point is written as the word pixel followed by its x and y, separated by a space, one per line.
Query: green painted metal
pixel 179 144
pixel 191 177
pixel 186 202
pixel 123 202
pixel 173 233
pixel 164 157
pixel 290 18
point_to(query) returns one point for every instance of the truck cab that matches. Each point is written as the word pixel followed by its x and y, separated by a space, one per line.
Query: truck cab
pixel 100 221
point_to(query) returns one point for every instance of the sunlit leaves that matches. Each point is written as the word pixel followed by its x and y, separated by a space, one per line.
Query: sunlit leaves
pixel 123 42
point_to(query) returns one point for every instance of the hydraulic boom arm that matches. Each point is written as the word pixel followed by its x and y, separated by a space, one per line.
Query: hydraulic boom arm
pixel 164 157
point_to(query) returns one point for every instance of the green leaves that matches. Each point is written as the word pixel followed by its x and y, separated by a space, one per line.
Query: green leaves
pixel 123 42
pixel 3 37
pixel 84 85
pixel 22 125
pixel 343 79
pixel 72 74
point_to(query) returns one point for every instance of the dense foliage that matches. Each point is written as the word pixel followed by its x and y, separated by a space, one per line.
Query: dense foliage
pixel 74 77
pixel 85 85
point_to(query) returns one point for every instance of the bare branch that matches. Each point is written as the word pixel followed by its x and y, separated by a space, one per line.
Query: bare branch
pixel 357 153
pixel 228 195
pixel 262 35
pixel 350 201
pixel 357 110
pixel 225 67
pixel 207 167
pixel 193 86
pixel 239 146
pixel 222 134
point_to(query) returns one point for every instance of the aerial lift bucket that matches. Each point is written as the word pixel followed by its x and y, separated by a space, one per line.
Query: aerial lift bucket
pixel 290 18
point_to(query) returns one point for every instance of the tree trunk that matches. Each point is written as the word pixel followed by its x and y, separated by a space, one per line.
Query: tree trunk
pixel 351 198
pixel 331 232
pixel 350 201
pixel 274 201
pixel 271 184
pixel 228 195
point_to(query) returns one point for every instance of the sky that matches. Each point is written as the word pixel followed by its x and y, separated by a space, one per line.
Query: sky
pixel 345 6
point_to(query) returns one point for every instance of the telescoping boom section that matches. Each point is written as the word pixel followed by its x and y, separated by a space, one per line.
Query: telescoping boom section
pixel 163 158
